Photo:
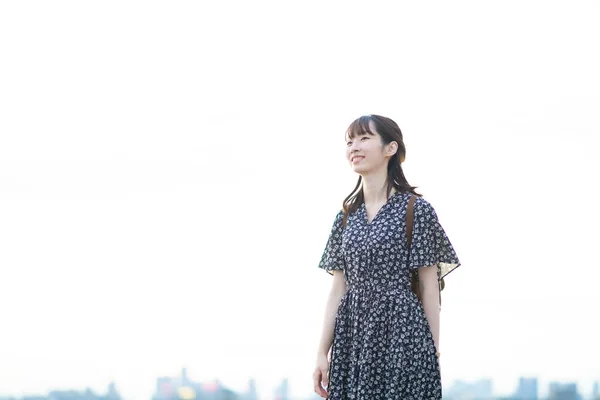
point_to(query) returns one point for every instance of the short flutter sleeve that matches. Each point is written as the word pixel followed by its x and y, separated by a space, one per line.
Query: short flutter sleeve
pixel 333 257
pixel 430 244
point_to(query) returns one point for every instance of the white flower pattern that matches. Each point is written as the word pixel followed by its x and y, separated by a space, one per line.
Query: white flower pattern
pixel 382 345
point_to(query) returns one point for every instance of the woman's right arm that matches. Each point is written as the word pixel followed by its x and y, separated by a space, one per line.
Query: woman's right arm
pixel 338 288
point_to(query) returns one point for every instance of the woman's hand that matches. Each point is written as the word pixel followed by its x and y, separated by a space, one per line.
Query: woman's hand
pixel 321 376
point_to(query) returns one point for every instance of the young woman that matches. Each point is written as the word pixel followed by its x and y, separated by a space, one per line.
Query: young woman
pixel 379 340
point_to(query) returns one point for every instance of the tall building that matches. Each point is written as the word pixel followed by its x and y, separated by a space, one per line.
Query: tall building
pixel 251 393
pixel 596 391
pixel 183 388
pixel 282 391
pixel 527 389
pixel 112 393
pixel 478 390
pixel 87 394
pixel 165 389
pixel 563 391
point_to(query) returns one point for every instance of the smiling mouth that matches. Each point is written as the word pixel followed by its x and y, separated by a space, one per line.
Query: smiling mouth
pixel 357 159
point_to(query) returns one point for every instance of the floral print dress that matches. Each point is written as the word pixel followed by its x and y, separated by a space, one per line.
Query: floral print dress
pixel 383 347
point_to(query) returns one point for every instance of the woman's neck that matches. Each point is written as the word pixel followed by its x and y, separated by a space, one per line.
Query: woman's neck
pixel 375 189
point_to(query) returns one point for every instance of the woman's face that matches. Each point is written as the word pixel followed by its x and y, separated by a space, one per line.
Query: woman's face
pixel 367 153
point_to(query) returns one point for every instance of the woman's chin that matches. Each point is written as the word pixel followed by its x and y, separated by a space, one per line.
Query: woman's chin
pixel 359 169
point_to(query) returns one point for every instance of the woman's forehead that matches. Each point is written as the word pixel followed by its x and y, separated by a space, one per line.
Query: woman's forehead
pixel 358 129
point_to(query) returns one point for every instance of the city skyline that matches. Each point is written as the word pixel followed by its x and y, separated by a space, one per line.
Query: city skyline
pixel 185 387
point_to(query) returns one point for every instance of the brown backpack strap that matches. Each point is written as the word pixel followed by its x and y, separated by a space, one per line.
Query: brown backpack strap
pixel 414 278
pixel 409 219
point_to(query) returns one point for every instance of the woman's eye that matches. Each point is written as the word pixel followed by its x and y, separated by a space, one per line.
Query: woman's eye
pixel 348 143
pixel 364 137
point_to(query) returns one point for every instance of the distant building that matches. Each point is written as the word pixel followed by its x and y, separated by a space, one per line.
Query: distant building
pixel 527 389
pixel 563 391
pixel 282 391
pixel 87 394
pixel 478 390
pixel 596 391
pixel 251 393
pixel 112 393
pixel 183 388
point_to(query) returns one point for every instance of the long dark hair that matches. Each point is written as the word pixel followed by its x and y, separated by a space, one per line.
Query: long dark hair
pixel 389 132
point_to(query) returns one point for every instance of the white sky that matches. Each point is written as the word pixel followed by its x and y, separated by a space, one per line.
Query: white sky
pixel 169 173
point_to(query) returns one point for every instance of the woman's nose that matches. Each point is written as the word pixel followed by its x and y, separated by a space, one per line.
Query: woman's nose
pixel 354 147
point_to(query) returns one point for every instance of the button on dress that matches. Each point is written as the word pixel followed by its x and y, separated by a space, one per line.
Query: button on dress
pixel 383 347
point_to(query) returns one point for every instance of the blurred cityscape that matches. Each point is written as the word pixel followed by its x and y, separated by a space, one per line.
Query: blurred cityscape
pixel 183 388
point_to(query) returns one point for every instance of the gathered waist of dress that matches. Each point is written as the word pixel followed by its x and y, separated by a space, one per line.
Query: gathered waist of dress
pixel 373 286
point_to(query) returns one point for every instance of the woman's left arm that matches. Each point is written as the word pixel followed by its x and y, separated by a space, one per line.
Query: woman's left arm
pixel 428 282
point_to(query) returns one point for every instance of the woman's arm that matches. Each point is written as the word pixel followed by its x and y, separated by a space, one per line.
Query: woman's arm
pixel 321 374
pixel 338 288
pixel 428 282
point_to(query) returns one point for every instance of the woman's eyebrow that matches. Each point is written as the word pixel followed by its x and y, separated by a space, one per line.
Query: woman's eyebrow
pixel 358 134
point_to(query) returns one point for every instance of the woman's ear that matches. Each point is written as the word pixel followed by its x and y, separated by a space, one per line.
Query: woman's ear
pixel 392 148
